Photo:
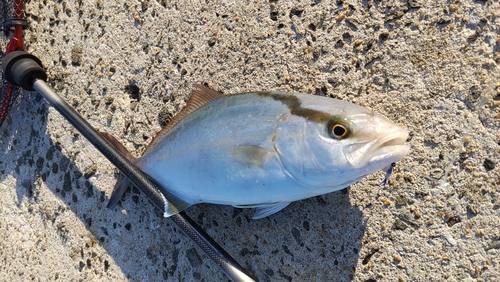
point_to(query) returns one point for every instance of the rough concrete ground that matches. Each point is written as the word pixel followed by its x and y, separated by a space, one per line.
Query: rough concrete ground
pixel 431 66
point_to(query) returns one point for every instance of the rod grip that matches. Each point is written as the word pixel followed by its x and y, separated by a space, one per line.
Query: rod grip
pixel 22 69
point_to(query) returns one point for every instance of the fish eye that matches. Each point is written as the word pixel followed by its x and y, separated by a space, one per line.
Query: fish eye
pixel 338 127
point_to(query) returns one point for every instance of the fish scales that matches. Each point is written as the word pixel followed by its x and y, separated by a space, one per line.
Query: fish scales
pixel 195 154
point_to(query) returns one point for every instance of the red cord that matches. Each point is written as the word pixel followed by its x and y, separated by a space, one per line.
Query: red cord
pixel 19 9
pixel 5 102
pixel 15 44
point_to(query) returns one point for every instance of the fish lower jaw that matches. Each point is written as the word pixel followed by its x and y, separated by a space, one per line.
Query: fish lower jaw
pixel 390 154
pixel 391 147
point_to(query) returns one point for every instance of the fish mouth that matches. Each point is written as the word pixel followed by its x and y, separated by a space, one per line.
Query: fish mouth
pixel 390 148
pixel 379 152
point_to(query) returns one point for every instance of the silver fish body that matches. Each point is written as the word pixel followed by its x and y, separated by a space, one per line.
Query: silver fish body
pixel 267 149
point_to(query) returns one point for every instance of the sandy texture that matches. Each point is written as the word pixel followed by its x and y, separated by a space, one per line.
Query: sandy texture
pixel 430 66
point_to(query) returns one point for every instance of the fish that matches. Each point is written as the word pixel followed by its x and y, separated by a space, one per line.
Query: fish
pixel 263 150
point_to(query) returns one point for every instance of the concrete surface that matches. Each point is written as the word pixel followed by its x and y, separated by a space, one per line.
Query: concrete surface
pixel 431 66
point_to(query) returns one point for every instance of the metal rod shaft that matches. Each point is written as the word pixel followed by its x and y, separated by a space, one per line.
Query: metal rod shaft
pixel 215 252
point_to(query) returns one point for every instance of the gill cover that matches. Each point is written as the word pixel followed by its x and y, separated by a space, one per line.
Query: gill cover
pixel 308 152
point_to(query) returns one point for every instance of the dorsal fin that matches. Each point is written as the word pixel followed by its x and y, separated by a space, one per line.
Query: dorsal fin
pixel 118 145
pixel 200 96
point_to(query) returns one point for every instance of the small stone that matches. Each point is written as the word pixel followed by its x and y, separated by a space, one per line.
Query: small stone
pixel 76 55
pixel 450 238
pixel 165 115
pixel 399 224
pixel 398 258
pixel 489 164
pixel 90 171
pixel 401 200
pixel 386 202
pixel 473 209
pixel 453 220
pixel 133 105
pixel 133 91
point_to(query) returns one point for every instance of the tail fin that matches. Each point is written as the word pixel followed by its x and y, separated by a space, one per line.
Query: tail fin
pixel 122 183
pixel 121 186
pixel 201 95
pixel 173 204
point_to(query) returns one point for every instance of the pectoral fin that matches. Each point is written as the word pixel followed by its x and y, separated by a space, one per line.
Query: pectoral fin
pixel 251 155
pixel 267 210
pixel 263 210
pixel 173 204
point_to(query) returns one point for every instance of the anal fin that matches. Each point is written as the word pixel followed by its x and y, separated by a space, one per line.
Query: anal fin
pixel 173 204
pixel 267 210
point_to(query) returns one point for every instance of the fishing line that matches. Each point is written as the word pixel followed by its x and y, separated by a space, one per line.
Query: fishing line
pixel 388 173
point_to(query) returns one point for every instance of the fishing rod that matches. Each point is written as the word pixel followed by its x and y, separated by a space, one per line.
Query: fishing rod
pixel 23 69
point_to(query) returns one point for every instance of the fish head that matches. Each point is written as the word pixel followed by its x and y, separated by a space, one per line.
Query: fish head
pixel 331 143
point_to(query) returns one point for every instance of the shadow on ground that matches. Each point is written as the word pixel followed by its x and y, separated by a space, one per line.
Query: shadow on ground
pixel 316 238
